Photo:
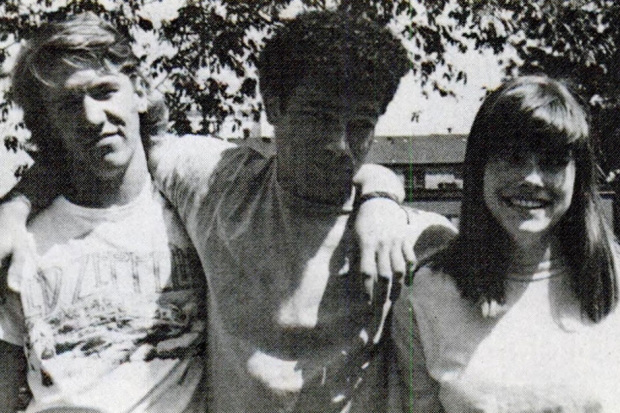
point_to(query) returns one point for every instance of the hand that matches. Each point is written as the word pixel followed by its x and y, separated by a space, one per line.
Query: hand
pixel 385 247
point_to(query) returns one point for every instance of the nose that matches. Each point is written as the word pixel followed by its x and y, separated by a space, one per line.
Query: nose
pixel 533 174
pixel 94 111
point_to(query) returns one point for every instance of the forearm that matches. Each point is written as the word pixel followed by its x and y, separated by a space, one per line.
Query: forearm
pixel 16 249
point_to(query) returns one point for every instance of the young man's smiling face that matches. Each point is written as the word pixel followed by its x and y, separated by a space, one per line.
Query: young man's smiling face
pixel 97 117
pixel 322 139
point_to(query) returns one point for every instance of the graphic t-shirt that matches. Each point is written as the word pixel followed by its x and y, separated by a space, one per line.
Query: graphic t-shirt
pixel 115 315
pixel 291 325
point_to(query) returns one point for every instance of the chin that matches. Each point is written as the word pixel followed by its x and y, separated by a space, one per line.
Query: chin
pixel 534 226
pixel 109 171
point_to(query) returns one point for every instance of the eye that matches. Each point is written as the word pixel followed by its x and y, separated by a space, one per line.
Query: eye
pixel 555 159
pixel 69 103
pixel 103 92
pixel 512 155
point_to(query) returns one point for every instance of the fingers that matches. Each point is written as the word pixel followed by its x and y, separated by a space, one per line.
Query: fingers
pixel 368 261
pixel 384 261
pixel 398 260
pixel 408 252
pixel 388 262
pixel 410 257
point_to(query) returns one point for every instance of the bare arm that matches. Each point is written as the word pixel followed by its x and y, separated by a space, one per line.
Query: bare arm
pixel 15 248
pixel 377 178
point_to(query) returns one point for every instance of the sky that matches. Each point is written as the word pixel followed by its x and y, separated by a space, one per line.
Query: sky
pixel 441 114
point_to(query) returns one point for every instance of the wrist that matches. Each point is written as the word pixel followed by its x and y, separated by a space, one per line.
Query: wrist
pixel 379 195
pixel 383 197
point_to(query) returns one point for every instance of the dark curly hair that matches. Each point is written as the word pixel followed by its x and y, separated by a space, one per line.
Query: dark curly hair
pixel 351 54
pixel 81 41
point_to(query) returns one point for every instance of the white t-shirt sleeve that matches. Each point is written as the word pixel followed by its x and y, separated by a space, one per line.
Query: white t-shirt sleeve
pixel 182 168
pixel 429 232
pixel 12 324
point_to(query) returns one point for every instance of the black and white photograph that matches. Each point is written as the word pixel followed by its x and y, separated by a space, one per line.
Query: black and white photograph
pixel 309 206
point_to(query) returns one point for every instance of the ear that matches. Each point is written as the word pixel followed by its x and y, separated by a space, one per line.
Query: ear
pixel 141 91
pixel 272 109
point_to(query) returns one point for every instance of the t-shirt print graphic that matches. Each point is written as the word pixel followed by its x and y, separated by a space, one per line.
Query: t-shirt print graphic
pixel 110 324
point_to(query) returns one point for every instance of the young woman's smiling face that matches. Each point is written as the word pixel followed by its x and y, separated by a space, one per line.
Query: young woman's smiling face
pixel 528 191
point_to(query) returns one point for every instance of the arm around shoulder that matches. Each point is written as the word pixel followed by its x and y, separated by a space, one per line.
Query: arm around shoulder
pixel 429 232
pixel 181 166
pixel 376 178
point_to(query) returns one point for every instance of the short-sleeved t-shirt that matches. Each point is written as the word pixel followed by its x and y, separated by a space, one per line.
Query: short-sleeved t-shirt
pixel 115 315
pixel 291 325
pixel 540 354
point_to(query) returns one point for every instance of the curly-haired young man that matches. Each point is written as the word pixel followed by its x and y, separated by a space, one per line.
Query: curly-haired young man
pixel 292 326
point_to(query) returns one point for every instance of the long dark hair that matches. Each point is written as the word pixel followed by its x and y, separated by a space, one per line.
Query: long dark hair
pixel 534 111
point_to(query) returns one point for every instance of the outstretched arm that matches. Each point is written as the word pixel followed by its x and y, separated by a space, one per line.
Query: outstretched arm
pixel 15 248
pixel 393 238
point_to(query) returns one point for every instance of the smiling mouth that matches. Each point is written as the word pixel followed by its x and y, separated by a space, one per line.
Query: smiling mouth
pixel 526 203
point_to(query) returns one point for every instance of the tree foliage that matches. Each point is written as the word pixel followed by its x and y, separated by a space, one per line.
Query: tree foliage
pixel 575 40
pixel 207 39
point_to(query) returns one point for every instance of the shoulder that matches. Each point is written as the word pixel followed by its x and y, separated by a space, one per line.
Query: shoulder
pixel 49 217
pixel 430 291
pixel 425 220
pixel 191 157
pixel 433 287
pixel 241 164
pixel 429 231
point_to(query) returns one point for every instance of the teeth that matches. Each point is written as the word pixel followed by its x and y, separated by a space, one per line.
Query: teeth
pixel 526 203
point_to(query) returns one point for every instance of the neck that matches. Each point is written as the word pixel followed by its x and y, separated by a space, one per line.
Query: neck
pixel 303 191
pixel 533 253
pixel 89 190
pixel 309 205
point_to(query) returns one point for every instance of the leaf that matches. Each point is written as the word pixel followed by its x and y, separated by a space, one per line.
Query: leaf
pixel 145 24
